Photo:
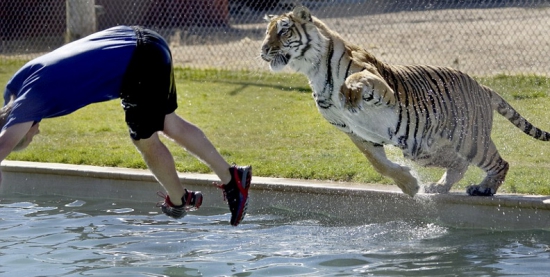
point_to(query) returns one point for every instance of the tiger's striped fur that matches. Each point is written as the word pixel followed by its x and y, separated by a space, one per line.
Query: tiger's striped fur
pixel 437 116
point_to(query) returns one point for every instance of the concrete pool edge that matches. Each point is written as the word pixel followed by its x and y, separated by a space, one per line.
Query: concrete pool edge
pixel 358 202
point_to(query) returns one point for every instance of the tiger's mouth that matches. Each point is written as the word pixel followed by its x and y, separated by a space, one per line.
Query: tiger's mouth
pixel 277 62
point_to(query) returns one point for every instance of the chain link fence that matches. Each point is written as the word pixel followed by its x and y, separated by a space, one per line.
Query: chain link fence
pixel 483 37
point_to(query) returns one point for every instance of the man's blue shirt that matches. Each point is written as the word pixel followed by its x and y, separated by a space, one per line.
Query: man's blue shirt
pixel 80 73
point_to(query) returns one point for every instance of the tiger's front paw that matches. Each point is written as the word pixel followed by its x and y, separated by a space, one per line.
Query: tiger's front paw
pixel 351 95
pixel 410 189
pixel 477 190
pixel 406 182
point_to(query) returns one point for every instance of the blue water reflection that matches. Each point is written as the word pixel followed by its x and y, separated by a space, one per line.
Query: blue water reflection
pixel 65 237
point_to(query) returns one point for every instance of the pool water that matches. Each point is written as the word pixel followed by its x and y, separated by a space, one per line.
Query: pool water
pixel 68 237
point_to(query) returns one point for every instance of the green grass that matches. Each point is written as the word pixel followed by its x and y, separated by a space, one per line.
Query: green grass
pixel 270 121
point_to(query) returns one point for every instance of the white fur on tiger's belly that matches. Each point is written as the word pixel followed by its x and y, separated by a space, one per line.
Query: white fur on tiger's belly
pixel 369 123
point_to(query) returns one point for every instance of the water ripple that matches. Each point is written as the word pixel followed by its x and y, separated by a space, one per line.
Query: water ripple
pixel 47 237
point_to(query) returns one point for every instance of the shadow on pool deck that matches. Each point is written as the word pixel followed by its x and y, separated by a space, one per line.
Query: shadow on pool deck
pixel 334 202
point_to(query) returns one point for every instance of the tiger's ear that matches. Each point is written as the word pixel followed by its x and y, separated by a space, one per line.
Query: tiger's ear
pixel 268 17
pixel 302 13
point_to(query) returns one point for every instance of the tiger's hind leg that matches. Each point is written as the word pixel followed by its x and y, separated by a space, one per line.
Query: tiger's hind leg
pixel 453 174
pixel 377 157
pixel 495 168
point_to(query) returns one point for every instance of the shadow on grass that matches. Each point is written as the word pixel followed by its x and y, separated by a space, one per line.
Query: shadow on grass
pixel 244 85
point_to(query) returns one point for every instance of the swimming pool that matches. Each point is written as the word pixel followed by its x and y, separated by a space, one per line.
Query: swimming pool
pixel 58 236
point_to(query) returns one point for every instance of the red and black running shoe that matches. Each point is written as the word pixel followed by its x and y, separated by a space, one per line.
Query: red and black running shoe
pixel 236 192
pixel 191 200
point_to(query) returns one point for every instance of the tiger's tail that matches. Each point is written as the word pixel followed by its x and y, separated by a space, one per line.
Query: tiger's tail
pixel 505 109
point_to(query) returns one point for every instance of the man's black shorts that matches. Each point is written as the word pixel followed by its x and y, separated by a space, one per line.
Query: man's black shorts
pixel 148 92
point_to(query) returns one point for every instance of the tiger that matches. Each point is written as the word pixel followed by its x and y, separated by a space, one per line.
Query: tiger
pixel 437 116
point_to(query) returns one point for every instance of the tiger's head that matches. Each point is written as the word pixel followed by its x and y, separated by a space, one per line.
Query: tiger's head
pixel 290 37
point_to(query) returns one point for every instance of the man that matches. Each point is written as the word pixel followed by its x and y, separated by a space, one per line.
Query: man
pixel 134 64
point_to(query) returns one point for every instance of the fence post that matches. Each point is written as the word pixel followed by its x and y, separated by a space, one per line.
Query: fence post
pixel 81 19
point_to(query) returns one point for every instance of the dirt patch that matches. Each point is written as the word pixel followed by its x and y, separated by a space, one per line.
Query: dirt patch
pixel 481 42
pixel 477 41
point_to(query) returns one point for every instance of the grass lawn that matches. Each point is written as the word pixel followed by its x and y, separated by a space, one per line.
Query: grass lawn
pixel 270 121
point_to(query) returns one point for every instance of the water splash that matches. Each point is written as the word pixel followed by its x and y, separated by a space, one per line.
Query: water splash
pixel 76 203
